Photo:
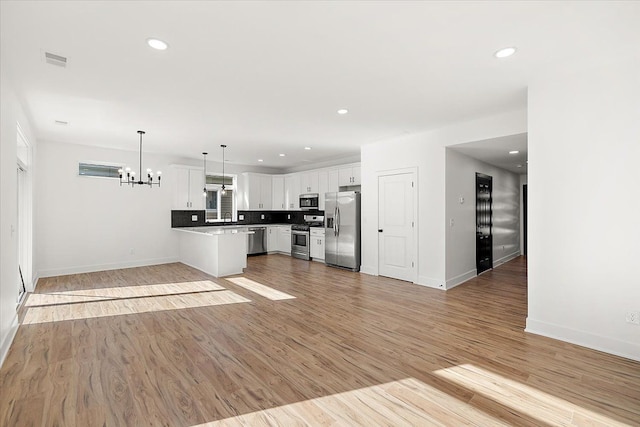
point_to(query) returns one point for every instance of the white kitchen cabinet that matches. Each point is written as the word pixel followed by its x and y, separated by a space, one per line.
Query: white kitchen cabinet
pixel 323 187
pixel 349 176
pixel 277 196
pixel 332 181
pixel 257 191
pixel 188 188
pixel 284 239
pixel 272 238
pixel 309 182
pixel 292 192
pixel 316 244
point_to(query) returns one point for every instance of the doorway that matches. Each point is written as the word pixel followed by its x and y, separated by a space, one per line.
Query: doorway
pixel 396 226
pixel 20 230
pixel 484 223
pixel 524 218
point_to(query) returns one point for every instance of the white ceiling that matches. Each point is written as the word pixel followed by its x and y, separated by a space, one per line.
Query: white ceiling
pixel 267 77
pixel 495 151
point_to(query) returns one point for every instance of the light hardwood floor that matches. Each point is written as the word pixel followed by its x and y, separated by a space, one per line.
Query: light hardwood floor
pixel 169 345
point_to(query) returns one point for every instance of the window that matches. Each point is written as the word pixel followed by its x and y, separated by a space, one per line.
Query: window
pixel 220 207
pixel 102 171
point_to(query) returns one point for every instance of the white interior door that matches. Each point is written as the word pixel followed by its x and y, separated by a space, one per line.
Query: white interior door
pixel 396 226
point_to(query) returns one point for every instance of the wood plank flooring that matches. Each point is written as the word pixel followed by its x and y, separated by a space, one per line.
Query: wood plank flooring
pixel 162 348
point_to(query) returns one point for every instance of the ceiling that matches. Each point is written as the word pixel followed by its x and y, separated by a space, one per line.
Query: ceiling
pixel 267 78
pixel 499 152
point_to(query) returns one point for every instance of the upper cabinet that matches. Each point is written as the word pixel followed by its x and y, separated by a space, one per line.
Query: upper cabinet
pixel 309 182
pixel 323 187
pixel 188 188
pixel 282 192
pixel 277 196
pixel 292 192
pixel 257 192
pixel 349 176
pixel 332 180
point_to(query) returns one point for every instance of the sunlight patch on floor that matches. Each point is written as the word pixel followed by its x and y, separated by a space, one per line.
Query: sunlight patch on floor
pixel 119 292
pixel 524 399
pixel 122 306
pixel 260 289
pixel 406 402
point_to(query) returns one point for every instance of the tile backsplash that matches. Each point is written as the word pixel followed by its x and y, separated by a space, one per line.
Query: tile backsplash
pixel 186 218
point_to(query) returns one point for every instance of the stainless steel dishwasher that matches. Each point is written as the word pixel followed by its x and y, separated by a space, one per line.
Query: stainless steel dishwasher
pixel 257 242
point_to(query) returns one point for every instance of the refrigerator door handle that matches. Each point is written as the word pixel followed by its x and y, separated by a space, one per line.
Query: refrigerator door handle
pixel 338 221
pixel 335 221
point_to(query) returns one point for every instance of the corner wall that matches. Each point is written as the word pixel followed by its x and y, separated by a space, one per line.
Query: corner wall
pixel 426 152
pixel 584 207
pixel 461 237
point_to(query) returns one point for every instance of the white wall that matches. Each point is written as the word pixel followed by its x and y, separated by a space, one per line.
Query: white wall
pixel 584 207
pixel 461 237
pixel 426 152
pixel 92 224
pixel 88 224
pixel 11 114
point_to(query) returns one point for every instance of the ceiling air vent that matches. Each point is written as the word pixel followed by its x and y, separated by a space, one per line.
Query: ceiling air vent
pixel 53 59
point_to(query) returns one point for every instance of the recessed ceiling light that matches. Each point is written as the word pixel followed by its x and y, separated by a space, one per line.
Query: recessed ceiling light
pixel 307 148
pixel 157 44
pixel 281 155
pixel 505 52
pixel 260 160
pixel 343 111
pixel 514 152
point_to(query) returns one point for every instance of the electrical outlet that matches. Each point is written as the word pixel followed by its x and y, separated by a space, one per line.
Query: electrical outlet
pixel 241 217
pixel 288 216
pixel 633 317
pixel 261 216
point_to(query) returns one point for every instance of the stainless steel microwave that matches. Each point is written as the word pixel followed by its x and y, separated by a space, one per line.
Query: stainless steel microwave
pixel 309 202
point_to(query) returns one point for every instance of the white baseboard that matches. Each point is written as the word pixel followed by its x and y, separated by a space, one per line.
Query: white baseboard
pixel 431 283
pixel 613 346
pixel 8 339
pixel 371 271
pixel 460 279
pixel 506 258
pixel 102 267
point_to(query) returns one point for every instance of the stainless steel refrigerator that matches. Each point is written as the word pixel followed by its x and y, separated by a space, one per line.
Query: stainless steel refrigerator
pixel 342 229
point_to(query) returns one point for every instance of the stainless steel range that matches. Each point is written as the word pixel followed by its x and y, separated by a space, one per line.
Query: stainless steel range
pixel 300 236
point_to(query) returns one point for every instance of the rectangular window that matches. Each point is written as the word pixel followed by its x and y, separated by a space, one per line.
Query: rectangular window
pixel 220 207
pixel 102 171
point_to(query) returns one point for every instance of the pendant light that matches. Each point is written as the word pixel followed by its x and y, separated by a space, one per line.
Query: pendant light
pixel 204 189
pixel 131 175
pixel 223 189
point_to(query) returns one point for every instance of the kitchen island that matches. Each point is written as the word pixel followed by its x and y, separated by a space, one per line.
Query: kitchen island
pixel 219 251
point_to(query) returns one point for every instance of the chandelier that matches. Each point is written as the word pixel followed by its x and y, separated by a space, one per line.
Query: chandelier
pixel 131 175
